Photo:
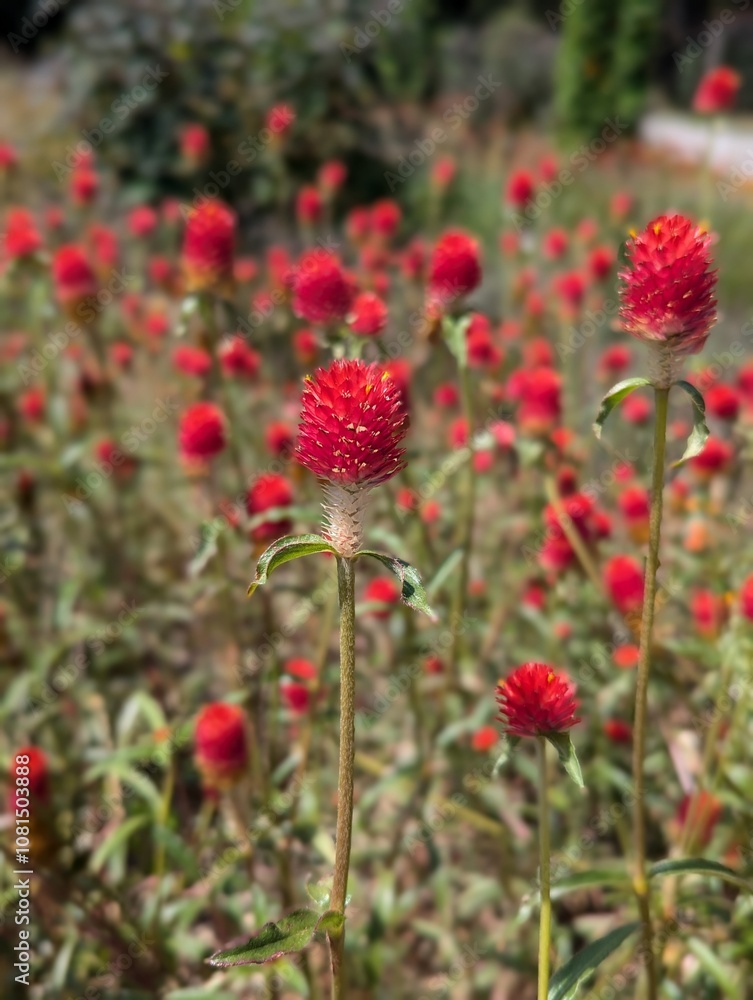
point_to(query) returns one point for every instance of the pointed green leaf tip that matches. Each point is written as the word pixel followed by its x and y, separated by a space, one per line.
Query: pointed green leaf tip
pixel 568 758
pixel 285 549
pixel 613 398
pixel 412 589
pixel 700 433
pixel 290 934
pixel 567 980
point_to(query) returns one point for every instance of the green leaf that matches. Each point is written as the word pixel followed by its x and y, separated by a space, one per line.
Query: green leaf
pixel 724 976
pixel 567 979
pixel 289 935
pixel 331 921
pixel 453 331
pixel 700 433
pixel 285 549
pixel 118 838
pixel 320 892
pixel 698 866
pixel 508 745
pixel 207 548
pixel 566 752
pixel 413 593
pixel 613 398
pixel 600 877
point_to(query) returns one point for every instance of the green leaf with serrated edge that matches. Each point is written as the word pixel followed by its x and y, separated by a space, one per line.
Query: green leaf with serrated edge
pixel 290 934
pixel 320 892
pixel 508 745
pixel 453 331
pixel 285 549
pixel 700 433
pixel 613 398
pixel 566 980
pixel 566 752
pixel 412 593
pixel 698 866
pixel 331 922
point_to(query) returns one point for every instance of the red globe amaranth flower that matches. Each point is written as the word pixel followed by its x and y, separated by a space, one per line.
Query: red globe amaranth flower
pixel 723 401
pixel 700 812
pixel 746 598
pixel 142 221
pixel 115 459
pixel 332 176
pixel 297 696
pixel 8 157
pixel 535 701
pixel 32 404
pixel 368 316
pixel 84 185
pixel 635 504
pixel 279 438
pixel 352 423
pixel 520 189
pixel 618 731
pixel 637 409
pixel 308 205
pixel 322 291
pixel 191 360
pixel 239 359
pixel 386 217
pixel 600 262
pixel 667 294
pixel 279 118
pixel 484 738
pixel 36 770
pixel 267 492
pixel 194 143
pixel 571 288
pixel 714 459
pixel 201 434
pixel 626 657
pixel 220 745
pixel 555 243
pixel 620 205
pixel 306 346
pixel 385 591
pixel 454 268
pixel 623 579
pixel 539 392
pixel 443 172
pixel 353 418
pixel 358 225
pixel 710 612
pixel 717 91
pixel 22 238
pixel 615 360
pixel 73 276
pixel 301 668
pixel 209 247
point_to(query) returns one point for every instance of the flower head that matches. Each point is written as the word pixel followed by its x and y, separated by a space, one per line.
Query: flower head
pixel 623 578
pixel 717 90
pixel 269 491
pixel 454 268
pixel 368 316
pixel 73 276
pixel 202 432
pixel 36 769
pixel 208 247
pixel 667 294
pixel 322 291
pixel 220 743
pixel 535 701
pixel 353 418
pixel 21 237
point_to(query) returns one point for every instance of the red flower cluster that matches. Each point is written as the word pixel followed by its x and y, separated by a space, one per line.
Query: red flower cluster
pixel 717 91
pixel 21 236
pixel 352 423
pixel 535 701
pixel 268 491
pixel 37 771
pixel 556 552
pixel 73 276
pixel 221 750
pixel 368 316
pixel 322 291
pixel 623 578
pixel 202 432
pixel 667 295
pixel 454 268
pixel 208 247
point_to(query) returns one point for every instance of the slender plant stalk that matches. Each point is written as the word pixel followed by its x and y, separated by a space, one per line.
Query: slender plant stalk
pixel 640 881
pixel 465 527
pixel 346 589
pixel 545 919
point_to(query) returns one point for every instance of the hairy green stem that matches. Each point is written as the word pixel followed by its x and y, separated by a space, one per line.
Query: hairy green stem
pixel 640 881
pixel 346 590
pixel 545 918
